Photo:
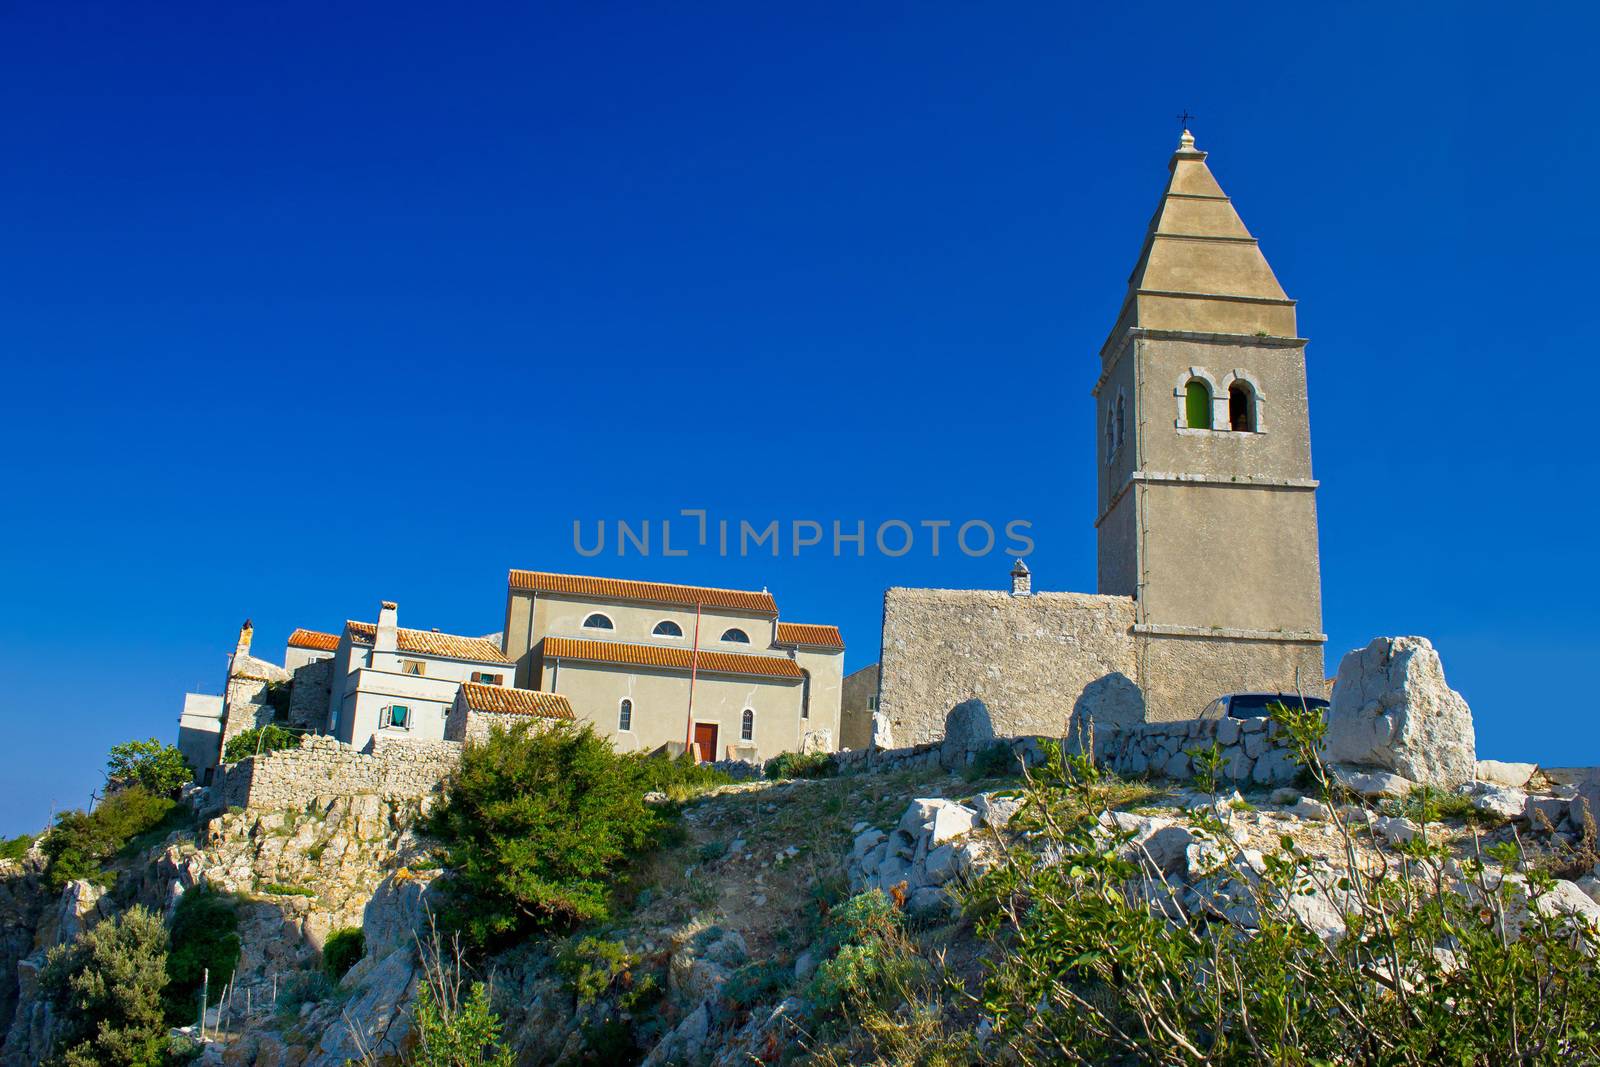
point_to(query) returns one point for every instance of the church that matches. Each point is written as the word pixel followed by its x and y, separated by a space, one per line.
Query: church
pixel 1209 581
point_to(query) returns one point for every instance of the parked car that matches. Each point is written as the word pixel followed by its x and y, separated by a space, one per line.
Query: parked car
pixel 1255 705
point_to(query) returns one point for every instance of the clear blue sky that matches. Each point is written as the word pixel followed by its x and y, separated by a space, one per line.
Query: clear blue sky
pixel 304 305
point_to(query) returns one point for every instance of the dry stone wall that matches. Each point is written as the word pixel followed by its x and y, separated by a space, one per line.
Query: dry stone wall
pixel 1253 750
pixel 323 766
pixel 1038 662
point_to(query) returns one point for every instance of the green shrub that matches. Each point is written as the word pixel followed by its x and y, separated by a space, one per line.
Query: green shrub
pixel 676 777
pixel 282 889
pixel 994 760
pixel 81 841
pixel 204 937
pixel 301 988
pixel 537 824
pixel 594 967
pixel 159 769
pixel 14 848
pixel 342 949
pixel 868 960
pixel 1084 962
pixel 260 740
pixel 801 765
pixel 755 983
pixel 106 988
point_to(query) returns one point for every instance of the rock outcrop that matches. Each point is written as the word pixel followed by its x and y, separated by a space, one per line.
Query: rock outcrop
pixel 1393 711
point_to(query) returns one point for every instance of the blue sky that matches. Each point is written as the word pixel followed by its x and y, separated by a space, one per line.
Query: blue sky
pixel 304 306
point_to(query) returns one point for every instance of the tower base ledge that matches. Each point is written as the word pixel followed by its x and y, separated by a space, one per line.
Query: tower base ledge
pixel 1231 633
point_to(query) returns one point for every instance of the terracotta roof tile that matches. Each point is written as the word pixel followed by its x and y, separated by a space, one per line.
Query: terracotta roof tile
pixel 808 633
pixel 503 701
pixel 314 639
pixel 676 659
pixel 653 592
pixel 429 643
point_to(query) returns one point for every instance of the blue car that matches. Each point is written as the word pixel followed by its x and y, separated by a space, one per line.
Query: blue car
pixel 1255 705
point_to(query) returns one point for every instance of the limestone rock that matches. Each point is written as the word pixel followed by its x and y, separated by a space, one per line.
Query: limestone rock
pixel 1494 771
pixel 996 810
pixel 967 730
pixel 1309 808
pixel 1396 830
pixel 1502 801
pixel 1371 783
pixel 1392 710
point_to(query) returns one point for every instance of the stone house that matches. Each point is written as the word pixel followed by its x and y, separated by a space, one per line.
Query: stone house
pixel 652 664
pixel 398 683
pixel 1209 577
pixel 478 709
pixel 857 705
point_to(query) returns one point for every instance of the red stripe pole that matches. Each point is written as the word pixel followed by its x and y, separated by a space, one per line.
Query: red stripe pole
pixel 694 666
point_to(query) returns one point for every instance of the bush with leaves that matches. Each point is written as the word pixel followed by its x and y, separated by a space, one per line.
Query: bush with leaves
pixel 259 740
pixel 342 950
pixel 1417 957
pixel 106 988
pixel 81 841
pixel 868 960
pixel 204 937
pixel 537 823
pixel 677 777
pixel 455 1024
pixel 801 765
pixel 159 769
pixel 14 848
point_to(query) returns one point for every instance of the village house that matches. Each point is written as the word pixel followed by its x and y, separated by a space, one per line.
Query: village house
pixel 398 683
pixel 652 664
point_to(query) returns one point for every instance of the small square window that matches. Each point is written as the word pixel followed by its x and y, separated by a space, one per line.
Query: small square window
pixel 411 666
pixel 397 716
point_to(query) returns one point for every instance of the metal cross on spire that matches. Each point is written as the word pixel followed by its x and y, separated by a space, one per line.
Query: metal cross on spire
pixel 1185 118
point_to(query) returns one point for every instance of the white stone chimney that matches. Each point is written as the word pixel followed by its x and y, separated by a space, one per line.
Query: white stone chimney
pixel 1021 580
pixel 386 639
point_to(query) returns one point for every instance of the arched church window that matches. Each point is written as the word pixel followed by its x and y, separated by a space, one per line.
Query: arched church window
pixel 747 725
pixel 736 635
pixel 667 628
pixel 597 621
pixel 1197 405
pixel 1121 421
pixel 1111 437
pixel 1242 407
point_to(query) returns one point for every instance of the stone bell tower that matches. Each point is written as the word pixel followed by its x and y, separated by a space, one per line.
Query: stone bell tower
pixel 1207 510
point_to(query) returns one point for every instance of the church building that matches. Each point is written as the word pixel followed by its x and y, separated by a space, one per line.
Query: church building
pixel 1209 581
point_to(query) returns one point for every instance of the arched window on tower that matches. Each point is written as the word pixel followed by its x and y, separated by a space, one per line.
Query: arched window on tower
pixel 1111 437
pixel 1121 422
pixel 1197 405
pixel 1241 407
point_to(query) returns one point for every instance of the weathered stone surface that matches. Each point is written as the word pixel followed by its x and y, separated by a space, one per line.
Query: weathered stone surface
pixel 1502 801
pixel 1497 772
pixel 1396 830
pixel 968 730
pixel 995 810
pixel 323 765
pixel 1392 710
pixel 1371 783
pixel 1309 808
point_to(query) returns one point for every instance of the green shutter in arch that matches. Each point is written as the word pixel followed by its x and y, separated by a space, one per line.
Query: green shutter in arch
pixel 1197 405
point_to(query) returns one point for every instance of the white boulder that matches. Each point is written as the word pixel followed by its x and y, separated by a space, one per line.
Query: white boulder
pixel 1502 801
pixel 1498 772
pixel 1371 784
pixel 1392 710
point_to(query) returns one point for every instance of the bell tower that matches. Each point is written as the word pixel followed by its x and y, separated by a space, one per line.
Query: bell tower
pixel 1207 510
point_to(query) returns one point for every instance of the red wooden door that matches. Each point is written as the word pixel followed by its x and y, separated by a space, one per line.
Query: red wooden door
pixel 705 740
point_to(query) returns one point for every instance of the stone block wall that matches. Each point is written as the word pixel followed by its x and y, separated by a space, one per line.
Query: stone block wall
pixel 1037 662
pixel 462 725
pixel 1253 751
pixel 308 697
pixel 323 766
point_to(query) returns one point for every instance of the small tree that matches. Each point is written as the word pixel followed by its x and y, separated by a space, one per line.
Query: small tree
pixel 537 824
pixel 159 768
pixel 81 841
pixel 204 938
pixel 260 740
pixel 106 986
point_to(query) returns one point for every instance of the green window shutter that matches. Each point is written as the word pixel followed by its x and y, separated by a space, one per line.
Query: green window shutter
pixel 1197 405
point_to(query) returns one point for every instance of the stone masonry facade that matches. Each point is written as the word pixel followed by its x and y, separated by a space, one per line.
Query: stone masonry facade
pixel 1038 662
pixel 322 766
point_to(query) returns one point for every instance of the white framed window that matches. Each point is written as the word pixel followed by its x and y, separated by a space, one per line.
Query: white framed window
pixel 736 635
pixel 625 715
pixel 747 725
pixel 667 628
pixel 485 678
pixel 395 717
pixel 598 621
pixel 413 666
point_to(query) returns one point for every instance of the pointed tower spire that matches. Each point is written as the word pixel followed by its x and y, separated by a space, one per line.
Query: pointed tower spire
pixel 1199 269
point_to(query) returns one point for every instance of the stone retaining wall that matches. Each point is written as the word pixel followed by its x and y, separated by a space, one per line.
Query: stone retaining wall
pixel 1251 749
pixel 323 766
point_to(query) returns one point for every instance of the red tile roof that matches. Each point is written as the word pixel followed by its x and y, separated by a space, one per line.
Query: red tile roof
pixel 816 635
pixel 674 658
pixel 652 592
pixel 430 643
pixel 503 701
pixel 314 639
